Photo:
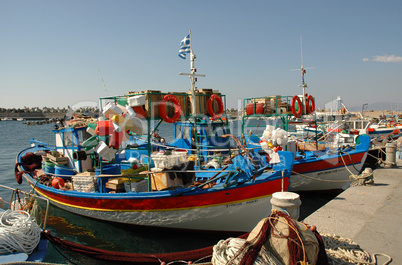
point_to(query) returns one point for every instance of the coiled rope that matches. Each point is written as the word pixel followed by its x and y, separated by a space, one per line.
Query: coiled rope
pixel 227 250
pixel 341 250
pixel 18 232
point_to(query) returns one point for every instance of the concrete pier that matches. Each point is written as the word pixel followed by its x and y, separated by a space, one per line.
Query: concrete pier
pixel 369 215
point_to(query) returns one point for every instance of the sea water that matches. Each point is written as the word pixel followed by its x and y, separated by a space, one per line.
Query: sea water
pixel 15 136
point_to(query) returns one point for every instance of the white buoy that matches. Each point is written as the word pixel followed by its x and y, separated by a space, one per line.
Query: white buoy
pixel 288 202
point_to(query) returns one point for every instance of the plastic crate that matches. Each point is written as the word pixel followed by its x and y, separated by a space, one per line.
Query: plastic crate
pixel 84 183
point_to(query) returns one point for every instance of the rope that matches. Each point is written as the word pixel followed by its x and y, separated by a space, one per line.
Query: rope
pixel 239 251
pixel 317 179
pixel 378 158
pixel 381 161
pixel 18 232
pixel 340 250
pixel 226 252
pixel 363 179
pixel 344 163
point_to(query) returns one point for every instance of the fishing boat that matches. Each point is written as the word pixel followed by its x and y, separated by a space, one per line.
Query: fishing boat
pixel 22 223
pixel 203 180
pixel 318 165
pixel 174 188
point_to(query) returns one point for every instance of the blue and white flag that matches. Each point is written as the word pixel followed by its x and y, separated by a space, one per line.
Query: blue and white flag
pixel 184 47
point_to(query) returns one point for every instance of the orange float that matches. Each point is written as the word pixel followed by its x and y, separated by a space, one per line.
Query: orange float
pixel 310 104
pixel 177 108
pixel 210 108
pixel 293 106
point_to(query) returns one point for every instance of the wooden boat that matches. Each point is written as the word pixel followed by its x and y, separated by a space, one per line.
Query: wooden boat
pixel 322 166
pixel 200 198
pixel 110 175
pixel 20 207
pixel 325 168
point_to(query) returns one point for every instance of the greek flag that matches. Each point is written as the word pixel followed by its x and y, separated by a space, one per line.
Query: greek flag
pixel 184 47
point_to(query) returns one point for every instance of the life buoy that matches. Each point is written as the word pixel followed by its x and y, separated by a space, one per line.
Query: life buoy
pixel 210 108
pixel 310 104
pixel 299 111
pixel 177 108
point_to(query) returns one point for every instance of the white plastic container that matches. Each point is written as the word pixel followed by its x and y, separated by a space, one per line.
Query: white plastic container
pixel 160 161
pixel 111 109
pixel 105 151
pixel 134 124
pixel 137 101
pixel 181 157
pixel 266 136
pixel 91 131
pixel 264 145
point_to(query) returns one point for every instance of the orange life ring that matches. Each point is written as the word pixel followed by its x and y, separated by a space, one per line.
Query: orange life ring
pixel 210 108
pixel 310 104
pixel 299 111
pixel 177 108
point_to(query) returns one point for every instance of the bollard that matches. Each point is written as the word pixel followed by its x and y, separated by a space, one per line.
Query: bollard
pixel 390 159
pixel 287 201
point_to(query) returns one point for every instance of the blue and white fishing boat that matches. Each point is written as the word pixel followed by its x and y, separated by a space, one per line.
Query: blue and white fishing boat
pixel 200 181
pixel 318 165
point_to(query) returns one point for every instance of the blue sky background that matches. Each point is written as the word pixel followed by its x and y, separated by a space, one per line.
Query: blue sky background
pixel 50 51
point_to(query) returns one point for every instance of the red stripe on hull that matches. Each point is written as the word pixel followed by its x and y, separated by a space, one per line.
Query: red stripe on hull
pixel 328 163
pixel 248 192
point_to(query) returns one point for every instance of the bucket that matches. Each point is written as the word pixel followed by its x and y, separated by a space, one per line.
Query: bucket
pixel 288 202
pixel 63 172
pixel 48 167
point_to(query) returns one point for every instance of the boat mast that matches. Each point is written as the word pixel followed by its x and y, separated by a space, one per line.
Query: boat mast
pixel 193 78
pixel 303 71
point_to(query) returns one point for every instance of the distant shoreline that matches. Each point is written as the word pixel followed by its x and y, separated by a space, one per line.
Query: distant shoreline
pixel 60 114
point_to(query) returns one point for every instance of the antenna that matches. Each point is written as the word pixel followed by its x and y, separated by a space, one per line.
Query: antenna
pixel 303 71
pixel 103 82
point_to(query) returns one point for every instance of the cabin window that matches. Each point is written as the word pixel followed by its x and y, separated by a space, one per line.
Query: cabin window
pixel 186 132
pixel 82 136
pixel 68 139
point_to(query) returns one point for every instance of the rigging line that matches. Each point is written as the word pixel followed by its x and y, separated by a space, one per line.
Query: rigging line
pixel 103 82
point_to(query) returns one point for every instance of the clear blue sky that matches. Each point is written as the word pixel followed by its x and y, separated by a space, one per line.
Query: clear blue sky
pixel 51 50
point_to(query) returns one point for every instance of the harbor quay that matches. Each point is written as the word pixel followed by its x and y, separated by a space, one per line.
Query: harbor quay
pixel 369 215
